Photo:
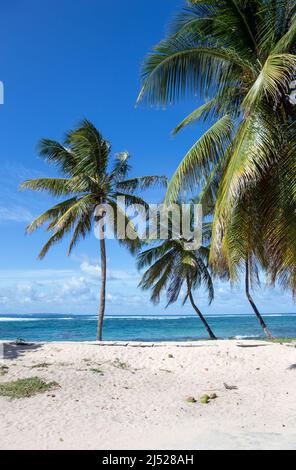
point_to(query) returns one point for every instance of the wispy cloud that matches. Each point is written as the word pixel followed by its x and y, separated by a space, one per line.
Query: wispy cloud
pixel 65 290
pixel 16 206
pixel 15 214
pixel 77 291
pixel 94 271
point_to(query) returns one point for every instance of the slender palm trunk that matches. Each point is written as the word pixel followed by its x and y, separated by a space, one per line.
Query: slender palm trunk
pixel 103 287
pixel 207 326
pixel 254 307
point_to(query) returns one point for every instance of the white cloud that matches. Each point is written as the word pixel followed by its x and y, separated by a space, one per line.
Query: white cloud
pixel 76 287
pixel 15 214
pixel 4 300
pixel 122 299
pixel 94 271
pixel 77 291
pixel 90 269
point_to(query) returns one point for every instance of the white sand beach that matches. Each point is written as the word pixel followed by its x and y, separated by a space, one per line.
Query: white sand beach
pixel 133 397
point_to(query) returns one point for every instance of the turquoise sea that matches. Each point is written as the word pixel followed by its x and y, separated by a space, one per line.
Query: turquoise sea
pixel 140 328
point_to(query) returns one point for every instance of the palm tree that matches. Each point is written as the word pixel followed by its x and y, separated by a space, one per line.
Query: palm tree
pixel 89 185
pixel 240 58
pixel 171 265
pixel 243 250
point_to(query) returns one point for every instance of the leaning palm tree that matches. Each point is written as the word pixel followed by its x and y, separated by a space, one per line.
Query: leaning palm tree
pixel 90 185
pixel 240 58
pixel 171 266
pixel 244 248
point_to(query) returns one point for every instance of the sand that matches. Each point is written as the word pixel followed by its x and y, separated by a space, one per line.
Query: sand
pixel 139 399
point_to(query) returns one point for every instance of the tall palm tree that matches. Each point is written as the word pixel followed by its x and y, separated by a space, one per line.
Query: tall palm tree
pixel 171 265
pixel 89 185
pixel 240 58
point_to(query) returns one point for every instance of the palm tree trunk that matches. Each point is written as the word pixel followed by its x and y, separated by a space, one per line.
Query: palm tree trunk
pixel 103 288
pixel 254 307
pixel 207 326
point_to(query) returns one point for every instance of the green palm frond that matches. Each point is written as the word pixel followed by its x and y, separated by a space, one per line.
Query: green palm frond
pixel 91 149
pixel 147 257
pixel 157 269
pixel 82 229
pixel 288 39
pixel 179 67
pixel 202 112
pixel 54 186
pixel 51 214
pixel 241 58
pixel 273 81
pixel 121 167
pixel 170 263
pixel 57 154
pixel 125 231
pixel 142 183
pixel 84 158
pixel 252 153
pixel 201 158
pixel 81 206
pixel 57 236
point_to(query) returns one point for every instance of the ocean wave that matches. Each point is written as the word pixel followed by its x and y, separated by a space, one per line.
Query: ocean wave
pixel 149 318
pixel 280 315
pixel 7 319
pixel 239 337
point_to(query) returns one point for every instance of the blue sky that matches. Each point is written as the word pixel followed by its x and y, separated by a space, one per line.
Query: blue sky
pixel 62 61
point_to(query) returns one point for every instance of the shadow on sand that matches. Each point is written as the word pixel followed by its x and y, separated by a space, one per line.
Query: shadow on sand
pixel 15 350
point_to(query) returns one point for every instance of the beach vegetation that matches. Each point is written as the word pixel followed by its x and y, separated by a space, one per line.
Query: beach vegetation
pixel 25 388
pixel 42 365
pixel 204 399
pixel 191 400
pixel 4 370
pixel 120 364
pixel 97 371
pixel 282 340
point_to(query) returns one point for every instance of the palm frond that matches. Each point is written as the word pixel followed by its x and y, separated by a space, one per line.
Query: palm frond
pixel 51 214
pixel 179 67
pixel 82 205
pixel 82 229
pixel 273 81
pixel 121 167
pixel 142 183
pixel 57 154
pixel 53 186
pixel 90 148
pixel 201 158
pixel 54 239
pixel 124 229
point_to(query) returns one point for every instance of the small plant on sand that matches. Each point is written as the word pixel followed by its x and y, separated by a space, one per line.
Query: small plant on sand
pixel 191 400
pixel 119 364
pixel 42 365
pixel 281 340
pixel 204 400
pixel 3 370
pixel 97 371
pixel 25 388
pixel 166 370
